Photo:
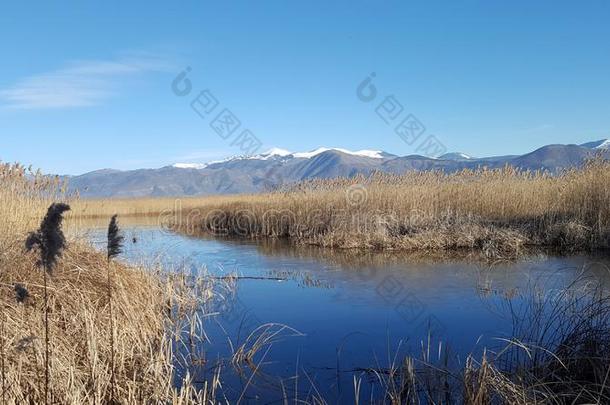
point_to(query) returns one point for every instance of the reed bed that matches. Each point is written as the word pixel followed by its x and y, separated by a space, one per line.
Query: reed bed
pixel 500 213
pixel 144 207
pixel 557 354
pixel 83 361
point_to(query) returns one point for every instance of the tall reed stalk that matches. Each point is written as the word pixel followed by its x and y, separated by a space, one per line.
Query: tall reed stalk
pixel 50 241
pixel 2 359
pixel 115 246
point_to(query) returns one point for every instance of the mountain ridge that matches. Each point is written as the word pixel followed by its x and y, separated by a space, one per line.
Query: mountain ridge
pixel 276 167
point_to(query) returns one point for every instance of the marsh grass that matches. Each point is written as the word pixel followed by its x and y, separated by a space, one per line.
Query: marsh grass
pixel 80 361
pixel 558 352
pixel 561 337
pixel 500 213
pixel 261 338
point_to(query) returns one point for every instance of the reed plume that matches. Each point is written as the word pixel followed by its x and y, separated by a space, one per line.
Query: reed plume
pixel 21 293
pixel 115 247
pixel 49 239
pixel 115 239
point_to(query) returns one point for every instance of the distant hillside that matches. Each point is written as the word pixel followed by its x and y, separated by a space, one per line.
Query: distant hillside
pixel 269 170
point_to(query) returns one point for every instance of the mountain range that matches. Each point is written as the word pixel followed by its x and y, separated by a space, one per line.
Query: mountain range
pixel 267 171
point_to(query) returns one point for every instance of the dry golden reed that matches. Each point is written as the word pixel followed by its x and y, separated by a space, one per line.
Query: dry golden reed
pixel 79 320
pixel 498 212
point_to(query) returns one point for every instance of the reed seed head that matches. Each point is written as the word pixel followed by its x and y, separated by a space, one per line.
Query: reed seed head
pixel 115 239
pixel 49 238
pixel 21 293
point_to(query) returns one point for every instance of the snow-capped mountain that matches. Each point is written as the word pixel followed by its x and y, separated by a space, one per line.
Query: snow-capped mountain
pixel 374 154
pixel 198 166
pixel 276 167
pixel 275 153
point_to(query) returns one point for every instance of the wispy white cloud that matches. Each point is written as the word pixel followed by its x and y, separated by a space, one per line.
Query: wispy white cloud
pixel 80 83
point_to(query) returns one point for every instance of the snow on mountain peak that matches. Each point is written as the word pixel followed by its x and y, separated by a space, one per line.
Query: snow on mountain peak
pixel 455 156
pixel 376 154
pixel 283 153
pixel 276 152
pixel 271 153
pixel 197 166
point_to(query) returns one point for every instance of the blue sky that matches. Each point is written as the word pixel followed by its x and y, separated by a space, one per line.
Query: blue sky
pixel 87 85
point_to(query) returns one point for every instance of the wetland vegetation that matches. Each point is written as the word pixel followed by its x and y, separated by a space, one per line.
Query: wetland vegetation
pixel 143 351
pixel 501 213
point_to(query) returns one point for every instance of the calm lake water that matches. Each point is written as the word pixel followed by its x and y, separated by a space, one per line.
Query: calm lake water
pixel 353 311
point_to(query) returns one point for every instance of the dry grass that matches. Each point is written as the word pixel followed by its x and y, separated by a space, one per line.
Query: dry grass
pixel 144 207
pixel 79 318
pixel 559 352
pixel 558 355
pixel 261 338
pixel 498 212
